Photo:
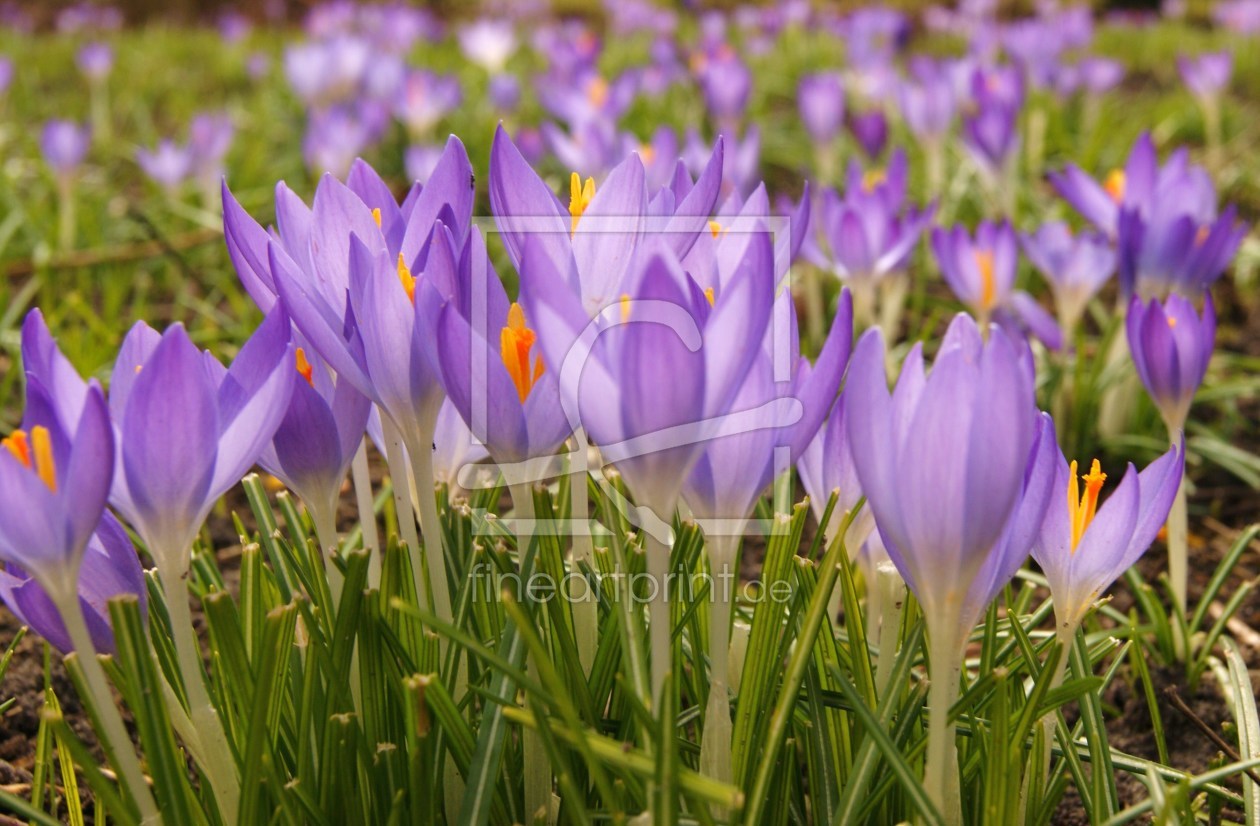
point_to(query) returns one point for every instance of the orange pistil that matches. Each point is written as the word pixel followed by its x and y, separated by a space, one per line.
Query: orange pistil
pixel 597 92
pixel 304 367
pixel 715 228
pixel 407 279
pixel 515 343
pixel 34 452
pixel 580 197
pixel 1083 506
pixel 1114 185
pixel 988 284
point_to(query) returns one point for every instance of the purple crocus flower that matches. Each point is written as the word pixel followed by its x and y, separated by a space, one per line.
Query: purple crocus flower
pixel 54 482
pixel 334 138
pixel 110 568
pixel 189 429
pixel 1171 346
pixel 488 43
pixel 927 99
pixel 424 99
pixel 355 294
pixel 454 449
pixel 734 470
pixel 1082 547
pixel 1168 231
pixel 981 272
pixel 1075 267
pixel 169 165
pixel 487 360
pixel 419 161
pixel 726 82
pixel 821 101
pixel 1176 199
pixel 869 233
pixel 955 543
pixel 505 92
pixel 609 360
pixel 96 61
pixel 957 466
pixel 1100 74
pixel 6 74
pixel 209 139
pixel 741 159
pixel 64 144
pixel 826 466
pixel 990 130
pixel 319 434
pixel 1206 75
pixel 870 130
pixel 873 35
pixel 603 226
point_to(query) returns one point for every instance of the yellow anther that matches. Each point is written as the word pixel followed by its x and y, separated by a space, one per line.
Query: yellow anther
pixel 408 281
pixel 647 152
pixel 872 179
pixel 708 293
pixel 1083 506
pixel 304 367
pixel 376 216
pixel 580 197
pixel 1172 321
pixel 34 452
pixel 625 307
pixel 988 284
pixel 18 445
pixel 715 228
pixel 597 92
pixel 1115 184
pixel 515 343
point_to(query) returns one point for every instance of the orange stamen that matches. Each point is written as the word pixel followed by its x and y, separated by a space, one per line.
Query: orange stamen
pixel 988 284
pixel 1115 184
pixel 376 216
pixel 1081 510
pixel 304 367
pixel 515 342
pixel 580 197
pixel 35 452
pixel 408 281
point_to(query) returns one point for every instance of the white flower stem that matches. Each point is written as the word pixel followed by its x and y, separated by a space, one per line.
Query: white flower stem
pixel 367 513
pixel 715 742
pixel 537 766
pixel 1178 545
pixel 219 766
pixel 940 776
pixel 659 615
pixel 325 519
pixel 115 732
pixel 585 606
pixel 421 456
pixel 891 590
pixel 396 458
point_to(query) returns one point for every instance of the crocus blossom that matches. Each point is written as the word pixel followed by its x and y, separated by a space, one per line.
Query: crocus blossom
pixel 954 464
pixel 64 145
pixel 1206 75
pixel 981 272
pixel 54 482
pixel 1075 266
pixel 110 568
pixel 1083 546
pixel 189 428
pixel 1171 346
